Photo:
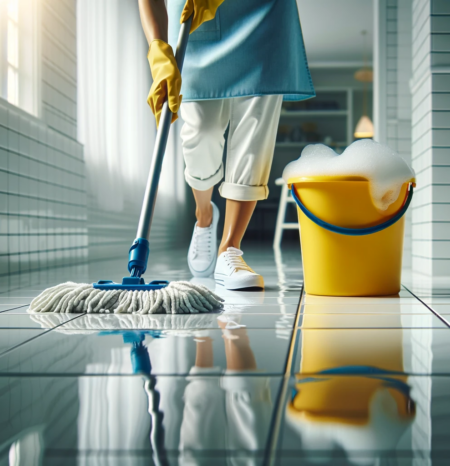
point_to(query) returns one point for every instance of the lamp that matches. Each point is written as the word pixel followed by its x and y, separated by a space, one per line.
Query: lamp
pixel 364 128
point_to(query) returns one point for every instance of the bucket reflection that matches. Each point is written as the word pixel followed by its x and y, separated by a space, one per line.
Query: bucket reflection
pixel 349 399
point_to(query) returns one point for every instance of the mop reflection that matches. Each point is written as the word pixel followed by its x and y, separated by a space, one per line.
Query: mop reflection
pixel 350 397
pixel 140 360
pixel 205 410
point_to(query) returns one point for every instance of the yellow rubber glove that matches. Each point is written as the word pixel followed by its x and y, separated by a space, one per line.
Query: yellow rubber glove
pixel 204 10
pixel 166 79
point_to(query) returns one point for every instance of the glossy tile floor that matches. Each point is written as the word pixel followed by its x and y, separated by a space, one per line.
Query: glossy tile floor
pixel 279 377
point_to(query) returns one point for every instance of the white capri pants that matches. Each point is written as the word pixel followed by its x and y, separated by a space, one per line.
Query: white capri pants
pixel 253 123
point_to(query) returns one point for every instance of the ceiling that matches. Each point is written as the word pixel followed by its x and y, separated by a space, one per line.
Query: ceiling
pixel 332 31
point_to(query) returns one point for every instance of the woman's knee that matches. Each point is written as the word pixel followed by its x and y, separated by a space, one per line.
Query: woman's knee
pixel 204 121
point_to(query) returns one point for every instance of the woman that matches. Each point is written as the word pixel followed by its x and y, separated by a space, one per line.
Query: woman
pixel 242 59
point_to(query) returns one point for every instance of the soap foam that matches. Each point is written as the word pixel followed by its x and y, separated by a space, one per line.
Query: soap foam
pixel 384 168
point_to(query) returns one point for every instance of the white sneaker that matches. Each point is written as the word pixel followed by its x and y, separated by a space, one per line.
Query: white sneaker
pixel 202 253
pixel 234 274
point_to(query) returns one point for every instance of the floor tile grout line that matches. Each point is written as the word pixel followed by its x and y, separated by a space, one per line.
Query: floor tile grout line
pixel 14 308
pixel 272 375
pixel 425 313
pixel 97 330
pixel 44 332
pixel 446 322
pixel 371 328
pixel 24 328
pixel 216 329
pixel 24 342
pixel 301 310
pixel 274 432
pixel 342 303
pixel 442 295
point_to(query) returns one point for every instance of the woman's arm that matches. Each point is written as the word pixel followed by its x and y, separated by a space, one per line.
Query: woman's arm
pixel 154 19
pixel 166 76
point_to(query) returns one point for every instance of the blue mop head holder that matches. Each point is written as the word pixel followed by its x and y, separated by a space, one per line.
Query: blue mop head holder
pixel 137 265
pixel 138 257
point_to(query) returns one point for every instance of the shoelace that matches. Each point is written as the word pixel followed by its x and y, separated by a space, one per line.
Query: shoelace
pixel 233 258
pixel 202 242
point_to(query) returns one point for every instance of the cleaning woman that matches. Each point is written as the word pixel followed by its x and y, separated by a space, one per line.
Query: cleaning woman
pixel 243 58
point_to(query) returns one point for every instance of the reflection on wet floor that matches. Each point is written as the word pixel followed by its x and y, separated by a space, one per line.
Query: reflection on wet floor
pixel 353 396
pixel 370 412
pixel 173 352
pixel 350 392
pixel 334 381
pixel 132 420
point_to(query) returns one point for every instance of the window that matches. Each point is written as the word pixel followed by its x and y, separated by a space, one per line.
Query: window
pixel 18 57
pixel 12 52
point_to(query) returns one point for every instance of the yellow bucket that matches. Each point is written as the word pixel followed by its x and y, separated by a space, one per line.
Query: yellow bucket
pixel 349 247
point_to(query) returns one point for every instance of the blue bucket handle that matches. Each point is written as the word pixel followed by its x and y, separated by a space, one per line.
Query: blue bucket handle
pixel 354 231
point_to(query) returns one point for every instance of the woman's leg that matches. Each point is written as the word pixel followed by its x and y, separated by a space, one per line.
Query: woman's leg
pixel 251 142
pixel 203 141
pixel 203 209
pixel 237 218
pixel 238 353
pixel 202 137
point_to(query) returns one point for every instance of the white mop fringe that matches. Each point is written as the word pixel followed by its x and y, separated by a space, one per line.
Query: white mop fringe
pixel 176 298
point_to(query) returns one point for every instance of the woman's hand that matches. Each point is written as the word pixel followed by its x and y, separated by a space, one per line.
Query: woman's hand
pixel 166 79
pixel 203 10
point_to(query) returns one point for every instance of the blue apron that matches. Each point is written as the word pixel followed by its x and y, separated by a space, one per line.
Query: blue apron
pixel 251 47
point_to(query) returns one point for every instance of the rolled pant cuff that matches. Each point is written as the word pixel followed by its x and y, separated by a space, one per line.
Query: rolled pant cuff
pixel 204 185
pixel 239 192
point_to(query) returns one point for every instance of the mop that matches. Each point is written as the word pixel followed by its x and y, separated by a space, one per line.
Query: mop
pixel 133 295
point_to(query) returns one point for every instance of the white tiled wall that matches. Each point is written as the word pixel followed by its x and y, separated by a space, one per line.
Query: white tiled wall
pixel 59 65
pixel 42 195
pixel 403 141
pixel 431 135
pixel 392 81
pixel 43 214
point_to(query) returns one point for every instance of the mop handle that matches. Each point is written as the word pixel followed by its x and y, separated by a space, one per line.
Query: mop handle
pixel 162 135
